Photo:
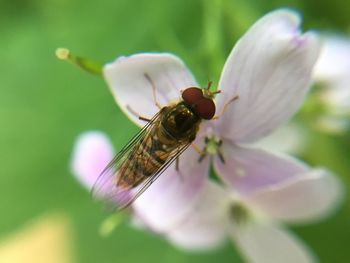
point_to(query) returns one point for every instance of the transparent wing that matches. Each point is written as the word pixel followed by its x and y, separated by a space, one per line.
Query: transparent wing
pixel 107 187
pixel 104 187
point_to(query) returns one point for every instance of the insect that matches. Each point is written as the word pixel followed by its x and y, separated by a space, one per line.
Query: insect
pixel 154 147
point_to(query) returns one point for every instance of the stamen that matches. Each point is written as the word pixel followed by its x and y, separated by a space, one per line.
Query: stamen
pixel 221 156
pixel 83 63
pixel 212 147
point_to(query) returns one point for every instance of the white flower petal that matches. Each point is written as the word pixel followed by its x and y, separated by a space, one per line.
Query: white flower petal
pixel 270 70
pixel 132 89
pixel 173 194
pixel 261 242
pixel 92 152
pixel 306 197
pixel 336 95
pixel 277 142
pixel 249 170
pixel 205 226
pixel 334 60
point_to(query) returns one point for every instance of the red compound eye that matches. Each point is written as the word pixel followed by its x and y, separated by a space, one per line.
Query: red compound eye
pixel 192 95
pixel 205 108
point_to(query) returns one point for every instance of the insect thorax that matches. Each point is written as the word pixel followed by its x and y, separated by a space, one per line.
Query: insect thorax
pixel 180 122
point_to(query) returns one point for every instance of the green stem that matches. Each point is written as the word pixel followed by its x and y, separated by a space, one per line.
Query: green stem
pixel 83 63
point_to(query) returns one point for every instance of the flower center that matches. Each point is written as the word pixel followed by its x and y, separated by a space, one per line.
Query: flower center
pixel 212 147
pixel 239 213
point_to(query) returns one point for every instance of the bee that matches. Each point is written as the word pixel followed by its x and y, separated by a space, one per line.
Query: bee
pixel 154 147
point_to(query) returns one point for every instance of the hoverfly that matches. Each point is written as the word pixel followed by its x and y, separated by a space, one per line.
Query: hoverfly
pixel 154 147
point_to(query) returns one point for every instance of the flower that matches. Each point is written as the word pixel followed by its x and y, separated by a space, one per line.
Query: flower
pixel 254 221
pixel 332 72
pixel 270 70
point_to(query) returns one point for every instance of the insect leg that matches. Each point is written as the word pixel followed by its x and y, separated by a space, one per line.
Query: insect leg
pixel 225 107
pixel 137 115
pixel 154 91
pixel 177 163
pixel 177 167
pixel 144 119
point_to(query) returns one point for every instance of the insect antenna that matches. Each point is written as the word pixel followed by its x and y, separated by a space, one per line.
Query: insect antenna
pixel 209 85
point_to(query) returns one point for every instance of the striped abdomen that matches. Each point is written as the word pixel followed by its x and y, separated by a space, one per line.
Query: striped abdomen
pixel 147 157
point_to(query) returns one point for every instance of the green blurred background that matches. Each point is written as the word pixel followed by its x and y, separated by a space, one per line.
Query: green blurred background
pixel 46 103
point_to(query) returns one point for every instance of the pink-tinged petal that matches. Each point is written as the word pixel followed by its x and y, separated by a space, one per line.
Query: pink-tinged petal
pixel 249 170
pixel 131 80
pixel 333 63
pixel 270 70
pixel 92 152
pixel 173 194
pixel 306 197
pixel 205 227
pixel 262 242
